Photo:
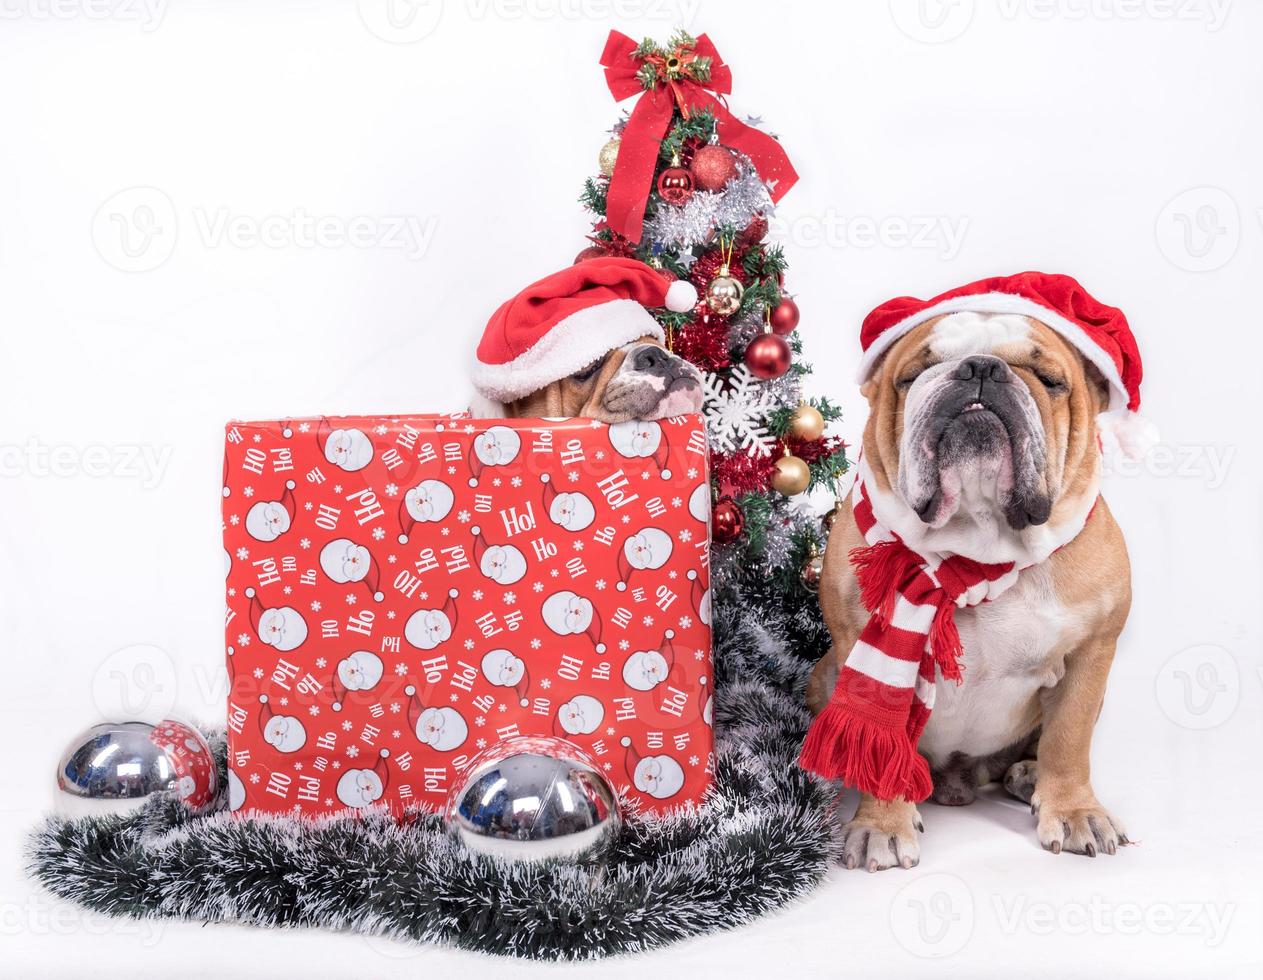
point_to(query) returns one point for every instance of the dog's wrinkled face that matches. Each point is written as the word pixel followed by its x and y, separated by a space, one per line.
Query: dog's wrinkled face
pixel 981 419
pixel 642 380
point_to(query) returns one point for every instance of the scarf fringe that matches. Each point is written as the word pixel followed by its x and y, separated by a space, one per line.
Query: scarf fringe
pixel 945 642
pixel 872 758
pixel 880 569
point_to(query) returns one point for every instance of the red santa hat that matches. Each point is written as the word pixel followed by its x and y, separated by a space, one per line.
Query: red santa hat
pixel 566 321
pixel 1099 332
pixel 675 671
pixel 287 501
pixel 631 758
pixel 523 687
pixel 382 770
pixel 372 579
pixel 256 609
pixel 415 707
pixel 266 713
pixel 698 593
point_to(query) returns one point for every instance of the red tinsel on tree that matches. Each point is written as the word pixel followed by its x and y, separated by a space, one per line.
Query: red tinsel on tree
pixel 738 473
pixel 704 341
pixel 814 450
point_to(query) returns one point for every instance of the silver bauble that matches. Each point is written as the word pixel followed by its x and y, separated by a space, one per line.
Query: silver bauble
pixel 533 799
pixel 117 767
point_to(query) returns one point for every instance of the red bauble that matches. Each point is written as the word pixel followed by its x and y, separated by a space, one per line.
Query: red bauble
pixel 675 185
pixel 755 231
pixel 712 167
pixel 768 356
pixel 591 252
pixel 726 521
pixel 785 317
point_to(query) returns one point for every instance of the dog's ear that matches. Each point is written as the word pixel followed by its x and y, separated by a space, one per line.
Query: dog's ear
pixel 1100 388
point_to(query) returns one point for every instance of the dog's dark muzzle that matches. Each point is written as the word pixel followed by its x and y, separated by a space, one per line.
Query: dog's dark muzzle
pixel 982 411
pixel 676 373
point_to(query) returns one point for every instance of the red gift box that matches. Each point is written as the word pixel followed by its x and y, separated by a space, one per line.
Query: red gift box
pixel 406 591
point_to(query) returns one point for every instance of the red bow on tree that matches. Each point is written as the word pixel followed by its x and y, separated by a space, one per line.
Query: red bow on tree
pixel 685 76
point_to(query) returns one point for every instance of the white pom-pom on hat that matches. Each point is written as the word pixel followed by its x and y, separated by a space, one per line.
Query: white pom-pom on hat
pixel 681 296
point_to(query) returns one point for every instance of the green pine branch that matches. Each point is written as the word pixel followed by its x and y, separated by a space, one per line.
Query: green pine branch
pixel 593 196
pixel 700 126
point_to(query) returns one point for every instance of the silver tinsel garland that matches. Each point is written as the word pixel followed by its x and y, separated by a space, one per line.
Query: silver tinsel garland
pixel 735 206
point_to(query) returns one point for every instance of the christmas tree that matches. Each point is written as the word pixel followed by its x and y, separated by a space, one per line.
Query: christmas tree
pixel 688 188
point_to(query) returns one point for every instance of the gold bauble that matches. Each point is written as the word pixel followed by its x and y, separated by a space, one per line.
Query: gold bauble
pixel 828 520
pixel 791 476
pixel 608 157
pixel 806 423
pixel 811 571
pixel 724 293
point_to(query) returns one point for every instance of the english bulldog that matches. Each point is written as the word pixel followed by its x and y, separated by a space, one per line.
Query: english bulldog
pixel 983 441
pixel 582 343
pixel 637 381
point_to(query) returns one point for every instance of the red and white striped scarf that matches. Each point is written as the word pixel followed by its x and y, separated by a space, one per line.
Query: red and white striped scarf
pixel 867 735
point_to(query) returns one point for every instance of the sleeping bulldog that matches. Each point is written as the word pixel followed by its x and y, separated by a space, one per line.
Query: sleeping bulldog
pixel 977 584
pixel 581 343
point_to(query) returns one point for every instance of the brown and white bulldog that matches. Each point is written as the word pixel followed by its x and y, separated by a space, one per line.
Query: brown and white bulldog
pixel 641 380
pixel 982 441
pixel 581 343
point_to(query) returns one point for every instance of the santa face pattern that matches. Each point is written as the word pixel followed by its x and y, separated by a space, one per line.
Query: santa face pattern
pixel 502 669
pixel 503 564
pixel 348 449
pixel 572 511
pixel 442 729
pixel 361 671
pixel 284 733
pixel 345 561
pixel 428 501
pixel 359 788
pixel 468 581
pixel 581 715
pixel 427 628
pixel 645 670
pixel 267 520
pixel 659 775
pixel 283 628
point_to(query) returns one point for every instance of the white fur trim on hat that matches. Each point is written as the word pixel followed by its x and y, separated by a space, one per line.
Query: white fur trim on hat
pixel 571 345
pixel 1004 303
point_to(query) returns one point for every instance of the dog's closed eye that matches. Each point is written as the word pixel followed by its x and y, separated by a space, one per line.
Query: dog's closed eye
pixel 1052 383
pixel 905 380
pixel 586 373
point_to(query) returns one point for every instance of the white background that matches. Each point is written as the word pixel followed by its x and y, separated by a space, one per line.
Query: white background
pixel 1116 140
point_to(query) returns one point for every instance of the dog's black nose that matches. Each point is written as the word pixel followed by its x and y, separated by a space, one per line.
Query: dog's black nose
pixel 982 367
pixel 650 358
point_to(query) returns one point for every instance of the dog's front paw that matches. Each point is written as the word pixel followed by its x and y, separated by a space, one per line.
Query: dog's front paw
pixel 882 836
pixel 1082 826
